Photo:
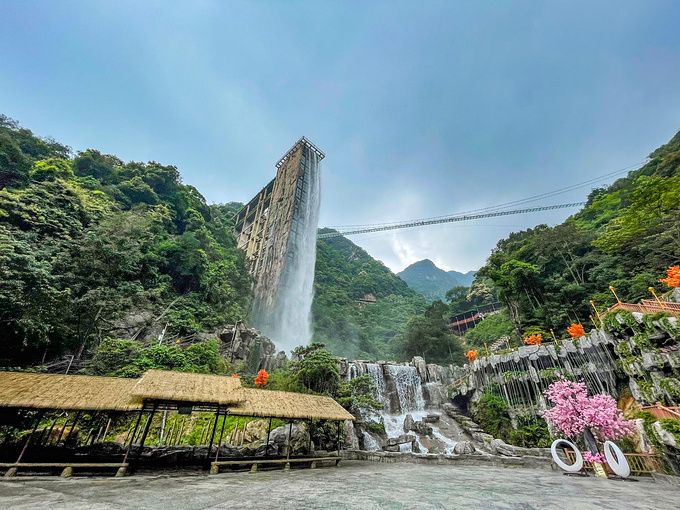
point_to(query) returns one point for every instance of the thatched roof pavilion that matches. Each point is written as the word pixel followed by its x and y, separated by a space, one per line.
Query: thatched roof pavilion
pixel 284 404
pixel 188 387
pixel 69 392
pixel 156 390
pixel 89 393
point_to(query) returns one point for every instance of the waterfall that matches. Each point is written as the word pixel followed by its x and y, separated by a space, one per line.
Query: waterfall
pixel 370 444
pixel 288 323
pixel 378 377
pixel 408 388
pixel 400 390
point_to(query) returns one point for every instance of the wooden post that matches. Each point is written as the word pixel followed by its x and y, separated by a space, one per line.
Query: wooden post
pixel 212 436
pixel 132 437
pixel 309 444
pixel 37 422
pixel 338 438
pixel 290 435
pixel 61 433
pixel 146 431
pixel 165 419
pixel 49 434
pixel 106 431
pixel 269 430
pixel 73 426
pixel 224 422
pixel 42 434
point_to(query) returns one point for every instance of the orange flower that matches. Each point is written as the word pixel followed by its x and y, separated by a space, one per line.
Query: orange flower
pixel 236 376
pixel 576 330
pixel 261 378
pixel 672 277
pixel 534 339
pixel 471 356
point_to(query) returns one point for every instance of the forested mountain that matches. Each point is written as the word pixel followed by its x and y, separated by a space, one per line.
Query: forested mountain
pixel 626 236
pixel 86 239
pixel 432 282
pixel 464 279
pixel 344 316
pixel 428 280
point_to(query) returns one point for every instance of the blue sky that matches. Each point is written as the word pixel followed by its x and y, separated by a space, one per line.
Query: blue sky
pixel 422 108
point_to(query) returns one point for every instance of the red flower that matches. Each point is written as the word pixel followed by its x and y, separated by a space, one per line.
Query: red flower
pixel 672 277
pixel 576 330
pixel 261 378
pixel 534 339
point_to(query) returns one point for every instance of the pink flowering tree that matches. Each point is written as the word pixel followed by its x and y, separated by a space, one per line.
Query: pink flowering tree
pixel 597 417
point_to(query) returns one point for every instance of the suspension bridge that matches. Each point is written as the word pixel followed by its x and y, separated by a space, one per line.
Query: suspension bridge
pixel 446 219
pixel 488 212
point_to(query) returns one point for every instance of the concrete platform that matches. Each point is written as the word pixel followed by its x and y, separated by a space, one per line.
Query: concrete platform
pixel 354 484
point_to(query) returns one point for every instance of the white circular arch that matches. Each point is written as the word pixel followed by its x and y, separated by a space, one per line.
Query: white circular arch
pixel 576 466
pixel 616 459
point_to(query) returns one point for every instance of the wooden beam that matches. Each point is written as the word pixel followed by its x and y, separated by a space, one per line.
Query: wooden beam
pixel 212 436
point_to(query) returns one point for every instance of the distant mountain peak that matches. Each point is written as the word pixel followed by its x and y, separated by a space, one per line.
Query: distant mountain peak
pixel 433 282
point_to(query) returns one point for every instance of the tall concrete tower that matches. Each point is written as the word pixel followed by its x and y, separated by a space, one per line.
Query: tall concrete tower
pixel 277 230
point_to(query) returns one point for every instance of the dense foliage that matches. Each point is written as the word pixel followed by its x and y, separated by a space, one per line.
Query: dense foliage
pixel 129 358
pixel 87 239
pixel 626 236
pixel 345 275
pixel 428 336
pixel 491 413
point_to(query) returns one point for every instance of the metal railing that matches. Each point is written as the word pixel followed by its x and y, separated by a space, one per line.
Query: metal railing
pixel 640 463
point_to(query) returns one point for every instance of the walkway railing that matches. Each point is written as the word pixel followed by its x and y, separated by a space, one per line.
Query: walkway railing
pixel 640 463
pixel 661 411
pixel 649 306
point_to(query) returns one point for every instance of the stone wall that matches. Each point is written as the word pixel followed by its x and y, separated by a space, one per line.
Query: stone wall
pixel 459 460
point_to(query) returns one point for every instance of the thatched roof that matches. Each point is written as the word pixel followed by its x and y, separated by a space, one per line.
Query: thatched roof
pixel 88 393
pixel 188 387
pixel 284 404
pixel 72 392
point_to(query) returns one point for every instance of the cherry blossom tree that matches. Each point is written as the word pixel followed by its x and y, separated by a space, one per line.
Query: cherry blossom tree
pixel 574 412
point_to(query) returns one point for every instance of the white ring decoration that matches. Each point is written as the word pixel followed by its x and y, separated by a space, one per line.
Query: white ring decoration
pixel 576 466
pixel 616 459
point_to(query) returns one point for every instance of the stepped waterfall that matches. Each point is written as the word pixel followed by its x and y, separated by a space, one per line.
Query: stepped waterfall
pixel 399 389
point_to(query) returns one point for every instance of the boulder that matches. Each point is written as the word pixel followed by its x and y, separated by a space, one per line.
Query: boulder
pixel 482 437
pixel 464 447
pixel 422 428
pixel 403 439
pixel 451 410
pixel 500 447
pixel 392 448
pixel 666 437
pixel 299 437
pixel 408 423
pixel 431 418
pixel 421 367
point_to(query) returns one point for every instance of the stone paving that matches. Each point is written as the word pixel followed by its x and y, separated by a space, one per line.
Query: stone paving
pixel 354 484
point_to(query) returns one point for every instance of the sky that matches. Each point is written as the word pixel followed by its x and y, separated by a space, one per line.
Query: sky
pixel 422 108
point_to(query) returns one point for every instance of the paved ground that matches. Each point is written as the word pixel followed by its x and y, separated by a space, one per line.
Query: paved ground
pixel 354 484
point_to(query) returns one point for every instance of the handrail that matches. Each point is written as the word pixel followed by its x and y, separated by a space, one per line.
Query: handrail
pixel 639 462
pixel 661 411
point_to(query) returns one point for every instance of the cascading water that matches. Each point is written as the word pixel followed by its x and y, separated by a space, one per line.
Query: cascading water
pixel 288 323
pixel 408 388
pixel 400 391
pixel 370 444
